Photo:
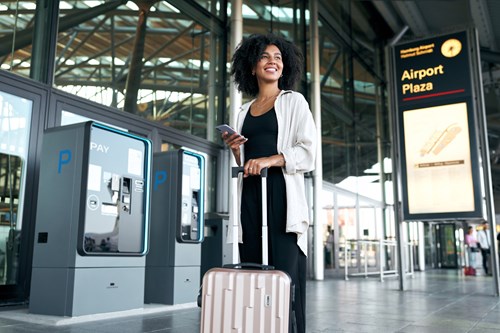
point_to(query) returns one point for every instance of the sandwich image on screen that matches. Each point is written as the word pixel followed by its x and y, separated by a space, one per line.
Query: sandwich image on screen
pixel 440 139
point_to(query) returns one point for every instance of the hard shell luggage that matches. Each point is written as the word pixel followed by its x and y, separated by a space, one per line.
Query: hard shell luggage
pixel 468 270
pixel 246 297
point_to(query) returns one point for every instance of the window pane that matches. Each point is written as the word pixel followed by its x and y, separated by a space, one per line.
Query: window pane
pixel 15 118
pixel 16 19
pixel 164 76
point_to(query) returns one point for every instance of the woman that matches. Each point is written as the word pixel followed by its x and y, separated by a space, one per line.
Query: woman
pixel 483 242
pixel 471 243
pixel 278 133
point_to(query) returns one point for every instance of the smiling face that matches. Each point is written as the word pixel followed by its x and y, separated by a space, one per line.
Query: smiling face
pixel 270 65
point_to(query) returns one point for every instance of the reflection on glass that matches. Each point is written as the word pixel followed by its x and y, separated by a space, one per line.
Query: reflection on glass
pixel 115 214
pixel 448 250
pixel 15 113
pixel 10 167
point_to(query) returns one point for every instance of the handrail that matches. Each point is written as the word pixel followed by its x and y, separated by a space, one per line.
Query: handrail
pixel 380 244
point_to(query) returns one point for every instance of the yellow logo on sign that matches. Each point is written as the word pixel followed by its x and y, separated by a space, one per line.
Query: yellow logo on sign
pixel 451 48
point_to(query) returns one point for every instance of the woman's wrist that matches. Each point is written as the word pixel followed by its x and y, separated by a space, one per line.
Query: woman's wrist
pixel 279 160
pixel 236 155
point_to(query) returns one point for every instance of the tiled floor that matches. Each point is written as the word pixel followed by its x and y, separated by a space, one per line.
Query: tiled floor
pixel 438 301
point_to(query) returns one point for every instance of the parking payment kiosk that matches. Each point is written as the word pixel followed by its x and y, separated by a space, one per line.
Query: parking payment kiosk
pixel 92 220
pixel 177 226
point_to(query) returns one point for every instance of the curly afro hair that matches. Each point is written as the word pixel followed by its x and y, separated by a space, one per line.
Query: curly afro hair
pixel 248 53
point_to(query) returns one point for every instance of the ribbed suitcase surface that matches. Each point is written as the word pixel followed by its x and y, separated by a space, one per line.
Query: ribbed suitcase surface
pixel 245 301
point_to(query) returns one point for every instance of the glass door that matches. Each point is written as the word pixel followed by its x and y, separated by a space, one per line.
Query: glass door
pixel 15 119
pixel 447 251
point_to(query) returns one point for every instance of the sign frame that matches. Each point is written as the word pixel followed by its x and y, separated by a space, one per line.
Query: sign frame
pixel 435 75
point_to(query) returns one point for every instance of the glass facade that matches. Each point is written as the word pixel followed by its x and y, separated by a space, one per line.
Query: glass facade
pixel 168 63
pixel 352 139
pixel 166 75
pixel 177 74
pixel 15 119
pixel 16 35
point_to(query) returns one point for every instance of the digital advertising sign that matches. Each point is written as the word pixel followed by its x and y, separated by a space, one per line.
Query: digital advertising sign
pixel 435 111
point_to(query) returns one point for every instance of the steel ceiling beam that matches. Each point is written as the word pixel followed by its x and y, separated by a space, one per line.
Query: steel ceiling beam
pixel 192 9
pixel 25 37
pixel 333 26
pixel 490 56
pixel 134 77
pixel 482 22
pixel 390 16
pixel 412 15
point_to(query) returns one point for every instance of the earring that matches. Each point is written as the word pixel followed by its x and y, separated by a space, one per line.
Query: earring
pixel 253 73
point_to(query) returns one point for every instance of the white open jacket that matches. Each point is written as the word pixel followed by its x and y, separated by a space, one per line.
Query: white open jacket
pixel 297 143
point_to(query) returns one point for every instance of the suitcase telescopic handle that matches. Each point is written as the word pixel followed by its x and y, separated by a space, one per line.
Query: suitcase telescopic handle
pixel 265 246
pixel 237 170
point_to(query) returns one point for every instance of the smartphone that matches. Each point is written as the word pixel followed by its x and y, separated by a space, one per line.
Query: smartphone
pixel 226 128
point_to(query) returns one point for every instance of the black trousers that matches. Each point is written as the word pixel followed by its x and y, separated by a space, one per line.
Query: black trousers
pixel 284 253
pixel 485 253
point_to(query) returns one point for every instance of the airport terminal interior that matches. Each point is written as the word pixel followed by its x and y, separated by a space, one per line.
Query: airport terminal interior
pixel 115 185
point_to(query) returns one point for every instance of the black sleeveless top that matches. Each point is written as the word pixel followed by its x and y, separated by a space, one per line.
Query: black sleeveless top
pixel 262 134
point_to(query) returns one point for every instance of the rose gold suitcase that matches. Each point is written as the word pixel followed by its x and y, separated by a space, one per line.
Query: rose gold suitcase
pixel 246 298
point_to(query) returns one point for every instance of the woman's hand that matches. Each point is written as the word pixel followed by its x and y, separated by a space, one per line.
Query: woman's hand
pixel 234 141
pixel 253 167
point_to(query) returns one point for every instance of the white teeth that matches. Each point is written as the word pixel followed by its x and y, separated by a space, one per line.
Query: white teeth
pixel 271 69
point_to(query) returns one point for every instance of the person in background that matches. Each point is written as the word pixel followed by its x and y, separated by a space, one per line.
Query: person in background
pixel 483 241
pixel 329 247
pixel 471 242
pixel 498 241
pixel 276 131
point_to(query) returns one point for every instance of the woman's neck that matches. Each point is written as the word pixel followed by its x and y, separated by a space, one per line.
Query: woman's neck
pixel 268 93
pixel 265 100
